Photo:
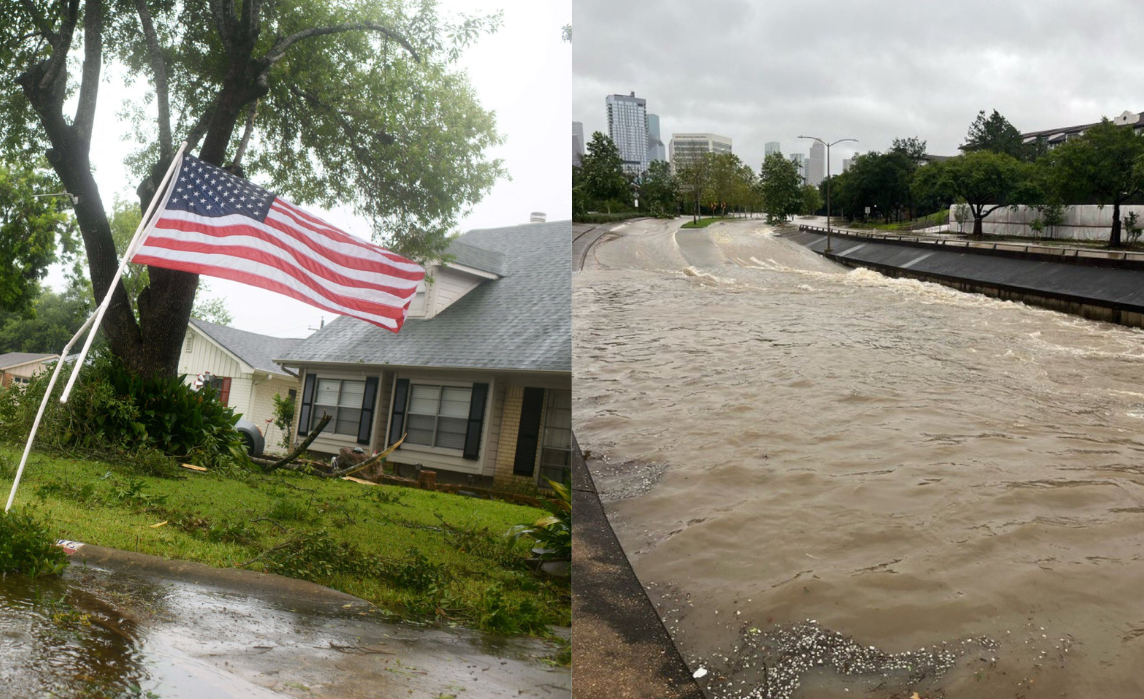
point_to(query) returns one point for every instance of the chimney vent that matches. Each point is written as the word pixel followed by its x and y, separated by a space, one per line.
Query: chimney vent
pixel 536 217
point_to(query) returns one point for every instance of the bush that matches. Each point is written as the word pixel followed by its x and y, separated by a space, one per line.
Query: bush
pixel 26 547
pixel 113 412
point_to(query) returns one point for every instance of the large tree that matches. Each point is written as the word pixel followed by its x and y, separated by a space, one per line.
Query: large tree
pixel 993 133
pixel 659 189
pixel 29 228
pixel 781 188
pixel 1101 167
pixel 601 174
pixel 984 180
pixel 358 103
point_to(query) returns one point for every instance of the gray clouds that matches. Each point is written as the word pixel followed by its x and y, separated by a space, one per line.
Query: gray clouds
pixel 770 71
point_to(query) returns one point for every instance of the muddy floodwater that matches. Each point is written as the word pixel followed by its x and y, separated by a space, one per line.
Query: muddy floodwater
pixel 100 632
pixel 836 483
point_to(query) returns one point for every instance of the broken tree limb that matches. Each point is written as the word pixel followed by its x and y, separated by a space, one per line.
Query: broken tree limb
pixel 376 458
pixel 281 463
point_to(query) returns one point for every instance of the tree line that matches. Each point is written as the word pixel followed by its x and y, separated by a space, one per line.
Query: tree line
pixel 996 168
pixel 715 184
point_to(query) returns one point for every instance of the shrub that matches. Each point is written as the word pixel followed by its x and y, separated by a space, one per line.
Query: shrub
pixel 113 412
pixel 554 532
pixel 26 547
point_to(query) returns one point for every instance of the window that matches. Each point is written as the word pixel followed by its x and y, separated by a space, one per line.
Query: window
pixel 342 400
pixel 190 343
pixel 438 416
pixel 556 452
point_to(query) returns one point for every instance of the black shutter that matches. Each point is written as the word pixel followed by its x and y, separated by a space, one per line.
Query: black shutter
pixel 400 397
pixel 476 421
pixel 528 438
pixel 307 405
pixel 365 423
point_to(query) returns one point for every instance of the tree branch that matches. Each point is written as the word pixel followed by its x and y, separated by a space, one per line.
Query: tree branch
pixel 92 64
pixel 279 49
pixel 224 17
pixel 159 69
pixel 302 447
pixel 237 162
pixel 60 48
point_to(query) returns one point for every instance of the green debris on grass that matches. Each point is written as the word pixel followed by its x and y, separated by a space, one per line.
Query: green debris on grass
pixel 421 555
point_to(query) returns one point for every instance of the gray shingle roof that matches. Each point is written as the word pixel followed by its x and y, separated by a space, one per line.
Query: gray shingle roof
pixel 522 321
pixel 17 358
pixel 484 260
pixel 256 350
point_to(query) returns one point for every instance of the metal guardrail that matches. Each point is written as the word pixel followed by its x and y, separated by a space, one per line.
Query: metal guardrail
pixel 1007 247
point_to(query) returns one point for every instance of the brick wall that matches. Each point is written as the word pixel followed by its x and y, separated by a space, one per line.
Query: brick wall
pixel 510 427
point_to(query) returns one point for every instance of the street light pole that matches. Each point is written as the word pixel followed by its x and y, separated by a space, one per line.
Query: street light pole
pixel 828 145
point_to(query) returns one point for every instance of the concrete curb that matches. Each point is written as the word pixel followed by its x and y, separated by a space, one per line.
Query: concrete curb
pixel 620 647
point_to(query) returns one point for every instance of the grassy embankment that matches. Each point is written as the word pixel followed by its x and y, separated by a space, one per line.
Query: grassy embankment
pixel 939 218
pixel 704 222
pixel 415 553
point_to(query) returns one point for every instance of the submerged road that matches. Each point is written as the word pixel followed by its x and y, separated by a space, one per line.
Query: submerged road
pixel 948 485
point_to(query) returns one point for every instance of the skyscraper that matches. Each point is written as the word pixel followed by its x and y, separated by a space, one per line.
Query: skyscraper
pixel 799 160
pixel 627 126
pixel 772 147
pixel 686 147
pixel 846 162
pixel 816 169
pixel 577 143
pixel 655 147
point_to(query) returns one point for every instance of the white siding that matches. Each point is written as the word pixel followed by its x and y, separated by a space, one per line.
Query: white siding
pixel 448 286
pixel 205 356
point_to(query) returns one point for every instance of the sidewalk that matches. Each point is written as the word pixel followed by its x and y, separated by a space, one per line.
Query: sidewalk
pixel 620 647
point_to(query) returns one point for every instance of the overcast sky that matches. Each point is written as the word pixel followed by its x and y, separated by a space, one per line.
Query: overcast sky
pixel 771 71
pixel 522 72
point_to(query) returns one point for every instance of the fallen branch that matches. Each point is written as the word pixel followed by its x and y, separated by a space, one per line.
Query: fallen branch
pixel 376 458
pixel 281 463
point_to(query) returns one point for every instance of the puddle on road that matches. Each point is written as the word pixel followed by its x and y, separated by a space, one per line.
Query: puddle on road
pixel 96 633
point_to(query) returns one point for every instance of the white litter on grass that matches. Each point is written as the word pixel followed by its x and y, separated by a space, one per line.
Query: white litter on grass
pixel 701 672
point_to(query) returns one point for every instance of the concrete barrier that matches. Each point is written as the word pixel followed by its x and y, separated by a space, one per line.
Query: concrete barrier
pixel 1096 287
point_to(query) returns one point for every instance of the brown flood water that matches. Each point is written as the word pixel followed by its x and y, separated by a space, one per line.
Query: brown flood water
pixel 784 439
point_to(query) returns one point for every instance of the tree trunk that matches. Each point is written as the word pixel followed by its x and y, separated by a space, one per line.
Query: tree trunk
pixel 978 232
pixel 1114 239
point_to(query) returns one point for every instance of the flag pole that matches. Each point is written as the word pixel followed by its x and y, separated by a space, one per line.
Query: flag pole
pixel 43 403
pixel 160 193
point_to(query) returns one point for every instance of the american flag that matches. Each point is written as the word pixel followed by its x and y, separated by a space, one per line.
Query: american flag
pixel 214 223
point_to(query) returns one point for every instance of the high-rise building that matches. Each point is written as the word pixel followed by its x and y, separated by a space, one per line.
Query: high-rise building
pixel 577 143
pixel 655 147
pixel 772 147
pixel 627 126
pixel 816 169
pixel 686 147
pixel 846 162
pixel 799 160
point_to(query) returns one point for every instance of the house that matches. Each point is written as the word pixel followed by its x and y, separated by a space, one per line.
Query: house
pixel 1052 138
pixel 20 367
pixel 243 369
pixel 480 377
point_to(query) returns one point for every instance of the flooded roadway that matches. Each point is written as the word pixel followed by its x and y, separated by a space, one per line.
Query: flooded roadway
pixel 914 468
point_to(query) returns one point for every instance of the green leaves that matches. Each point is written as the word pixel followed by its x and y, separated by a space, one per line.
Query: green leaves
pixel 29 226
pixel 27 547
pixel 781 188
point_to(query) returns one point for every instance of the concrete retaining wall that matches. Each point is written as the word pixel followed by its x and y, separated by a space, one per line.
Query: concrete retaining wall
pixel 1115 295
pixel 1087 222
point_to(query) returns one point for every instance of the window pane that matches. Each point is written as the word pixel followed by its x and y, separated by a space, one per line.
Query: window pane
pixel 423 400
pixel 327 391
pixel 560 399
pixel 352 394
pixel 455 401
pixel 347 421
pixel 451 432
pixel 557 438
pixel 420 429
pixel 319 411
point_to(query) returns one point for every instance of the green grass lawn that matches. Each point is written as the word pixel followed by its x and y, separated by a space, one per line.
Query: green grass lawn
pixel 416 553
pixel 703 222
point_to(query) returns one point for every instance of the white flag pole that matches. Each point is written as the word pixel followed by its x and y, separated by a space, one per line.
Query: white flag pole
pixel 160 193
pixel 47 396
